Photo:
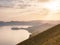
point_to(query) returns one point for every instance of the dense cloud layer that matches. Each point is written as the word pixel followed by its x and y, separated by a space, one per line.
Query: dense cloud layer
pixel 29 10
pixel 15 3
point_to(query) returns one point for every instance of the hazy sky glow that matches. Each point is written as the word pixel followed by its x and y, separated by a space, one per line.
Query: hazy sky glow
pixel 26 10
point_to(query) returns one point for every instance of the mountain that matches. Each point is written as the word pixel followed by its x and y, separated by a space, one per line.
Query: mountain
pixel 34 30
pixel 34 23
pixel 13 23
pixel 48 37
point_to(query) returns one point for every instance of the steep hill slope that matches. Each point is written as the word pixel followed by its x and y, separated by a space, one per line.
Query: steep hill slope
pixel 35 30
pixel 49 37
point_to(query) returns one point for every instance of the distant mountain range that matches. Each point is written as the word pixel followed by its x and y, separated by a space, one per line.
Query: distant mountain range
pixel 32 23
pixel 37 26
pixel 12 23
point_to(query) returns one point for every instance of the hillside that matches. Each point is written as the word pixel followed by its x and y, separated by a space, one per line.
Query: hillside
pixel 49 37
pixel 35 30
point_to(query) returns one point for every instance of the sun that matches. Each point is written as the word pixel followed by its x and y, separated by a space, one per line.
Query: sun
pixel 54 13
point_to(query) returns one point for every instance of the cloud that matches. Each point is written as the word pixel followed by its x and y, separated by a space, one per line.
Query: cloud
pixel 16 3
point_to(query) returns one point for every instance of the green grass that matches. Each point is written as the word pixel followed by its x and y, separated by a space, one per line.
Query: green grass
pixel 48 37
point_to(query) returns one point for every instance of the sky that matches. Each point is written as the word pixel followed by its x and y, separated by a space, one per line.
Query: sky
pixel 26 10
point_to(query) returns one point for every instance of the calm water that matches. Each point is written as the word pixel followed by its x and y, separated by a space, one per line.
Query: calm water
pixel 12 37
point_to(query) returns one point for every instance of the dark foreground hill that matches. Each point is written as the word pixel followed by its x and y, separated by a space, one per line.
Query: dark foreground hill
pixel 48 37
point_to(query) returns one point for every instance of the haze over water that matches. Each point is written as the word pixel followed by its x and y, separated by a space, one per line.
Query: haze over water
pixel 12 37
pixel 25 10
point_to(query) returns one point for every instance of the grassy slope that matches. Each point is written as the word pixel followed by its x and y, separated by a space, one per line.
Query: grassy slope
pixel 49 37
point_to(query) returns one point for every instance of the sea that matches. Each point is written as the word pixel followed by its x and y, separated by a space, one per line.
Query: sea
pixel 13 37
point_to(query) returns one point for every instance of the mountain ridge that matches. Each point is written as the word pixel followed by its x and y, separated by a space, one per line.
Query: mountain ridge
pixel 49 37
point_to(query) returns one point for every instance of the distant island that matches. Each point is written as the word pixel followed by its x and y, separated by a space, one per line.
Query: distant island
pixel 15 28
